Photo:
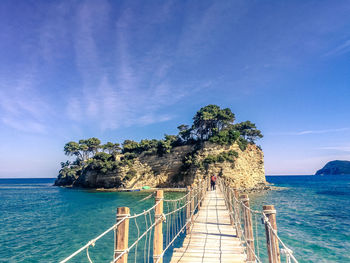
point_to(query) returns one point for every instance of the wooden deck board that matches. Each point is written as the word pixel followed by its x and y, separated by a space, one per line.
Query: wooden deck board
pixel 212 238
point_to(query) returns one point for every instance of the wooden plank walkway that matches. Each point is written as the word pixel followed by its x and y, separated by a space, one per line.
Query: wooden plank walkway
pixel 212 238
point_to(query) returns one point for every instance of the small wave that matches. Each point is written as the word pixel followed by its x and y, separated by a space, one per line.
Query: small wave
pixel 20 187
pixel 335 193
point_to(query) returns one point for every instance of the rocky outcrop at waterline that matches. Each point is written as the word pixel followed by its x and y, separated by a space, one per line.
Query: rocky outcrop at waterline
pixel 183 166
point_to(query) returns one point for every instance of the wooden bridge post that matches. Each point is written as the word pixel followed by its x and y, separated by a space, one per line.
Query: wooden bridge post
pixel 230 206
pixel 208 183
pixel 237 212
pixel 204 190
pixel 248 229
pixel 188 209
pixel 193 194
pixel 158 228
pixel 121 235
pixel 273 249
pixel 201 190
pixel 198 190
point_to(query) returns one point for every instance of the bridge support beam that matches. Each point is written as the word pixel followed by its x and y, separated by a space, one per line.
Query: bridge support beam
pixel 273 249
pixel 158 228
pixel 248 229
pixel 121 235
pixel 188 209
pixel 237 212
pixel 193 194
pixel 230 208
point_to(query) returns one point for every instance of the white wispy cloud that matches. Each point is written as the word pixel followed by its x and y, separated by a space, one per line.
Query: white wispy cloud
pixel 336 148
pixel 137 91
pixel 321 131
pixel 21 105
pixel 25 125
pixel 307 132
pixel 24 103
pixel 341 49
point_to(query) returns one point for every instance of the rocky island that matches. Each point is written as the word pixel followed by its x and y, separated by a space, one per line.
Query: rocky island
pixel 213 144
pixel 335 167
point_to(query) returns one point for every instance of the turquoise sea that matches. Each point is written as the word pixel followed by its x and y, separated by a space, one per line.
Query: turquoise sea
pixel 43 223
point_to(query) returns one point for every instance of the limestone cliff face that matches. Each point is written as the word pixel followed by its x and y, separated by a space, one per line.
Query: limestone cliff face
pixel 246 172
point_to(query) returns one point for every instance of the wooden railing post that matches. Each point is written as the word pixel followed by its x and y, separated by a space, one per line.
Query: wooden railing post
pixel 202 192
pixel 199 193
pixel 121 235
pixel 237 213
pixel 230 206
pixel 192 204
pixel 248 229
pixel 188 209
pixel 273 249
pixel 158 228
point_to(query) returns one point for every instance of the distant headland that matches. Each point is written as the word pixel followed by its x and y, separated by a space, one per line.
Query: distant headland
pixel 335 167
pixel 213 144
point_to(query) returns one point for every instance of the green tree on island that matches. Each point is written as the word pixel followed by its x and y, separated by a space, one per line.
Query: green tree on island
pixel 210 120
pixel 112 148
pixel 210 123
pixel 248 131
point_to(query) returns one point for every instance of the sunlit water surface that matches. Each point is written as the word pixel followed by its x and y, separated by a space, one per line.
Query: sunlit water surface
pixel 43 223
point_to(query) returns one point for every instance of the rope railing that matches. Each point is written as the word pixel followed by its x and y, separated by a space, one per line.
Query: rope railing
pixel 238 221
pixel 177 200
pixel 92 242
pixel 177 217
pixel 175 220
pixel 287 251
pixel 241 209
pixel 156 229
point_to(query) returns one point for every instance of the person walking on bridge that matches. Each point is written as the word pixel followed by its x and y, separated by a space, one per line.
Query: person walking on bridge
pixel 213 182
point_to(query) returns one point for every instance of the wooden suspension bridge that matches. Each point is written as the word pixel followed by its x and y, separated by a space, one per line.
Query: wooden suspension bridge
pixel 212 237
pixel 202 226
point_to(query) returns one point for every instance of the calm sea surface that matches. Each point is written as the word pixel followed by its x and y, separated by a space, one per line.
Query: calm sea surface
pixel 43 223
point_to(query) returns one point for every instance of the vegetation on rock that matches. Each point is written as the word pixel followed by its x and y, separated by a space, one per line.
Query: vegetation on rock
pixel 228 156
pixel 335 167
pixel 210 124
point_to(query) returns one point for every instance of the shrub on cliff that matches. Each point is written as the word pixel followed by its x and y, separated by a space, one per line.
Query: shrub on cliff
pixel 102 162
pixel 130 174
pixel 130 146
pixel 225 137
pixel 210 123
pixel 242 143
pixel 68 175
pixel 228 156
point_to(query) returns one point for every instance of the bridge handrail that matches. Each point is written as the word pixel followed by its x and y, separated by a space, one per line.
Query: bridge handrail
pixel 286 249
pixel 194 198
pixel 92 241
pixel 222 185
pixel 114 227
pixel 187 223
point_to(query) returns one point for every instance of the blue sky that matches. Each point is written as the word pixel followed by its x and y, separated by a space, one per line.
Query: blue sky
pixel 138 69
